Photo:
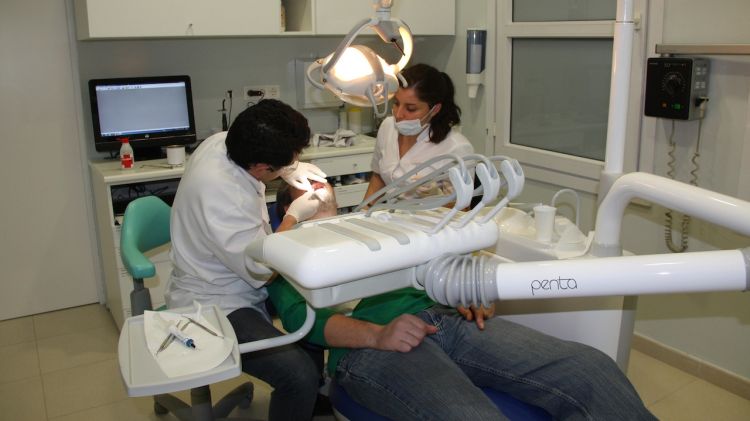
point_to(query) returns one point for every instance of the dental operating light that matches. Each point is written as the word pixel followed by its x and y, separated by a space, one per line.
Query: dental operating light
pixel 355 73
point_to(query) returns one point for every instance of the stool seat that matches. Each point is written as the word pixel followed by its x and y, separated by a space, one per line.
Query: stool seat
pixel 346 408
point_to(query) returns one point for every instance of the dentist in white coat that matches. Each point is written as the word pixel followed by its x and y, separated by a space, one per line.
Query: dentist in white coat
pixel 219 209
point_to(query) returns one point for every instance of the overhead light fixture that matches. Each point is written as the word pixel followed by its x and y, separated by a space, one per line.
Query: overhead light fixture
pixel 355 73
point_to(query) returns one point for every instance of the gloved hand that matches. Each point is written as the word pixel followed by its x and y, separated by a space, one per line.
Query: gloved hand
pixel 304 207
pixel 300 177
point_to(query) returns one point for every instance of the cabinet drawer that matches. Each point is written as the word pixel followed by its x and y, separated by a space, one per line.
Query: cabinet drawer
pixel 351 164
pixel 350 195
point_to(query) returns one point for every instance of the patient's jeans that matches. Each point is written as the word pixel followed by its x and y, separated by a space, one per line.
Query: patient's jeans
pixel 438 379
pixel 288 369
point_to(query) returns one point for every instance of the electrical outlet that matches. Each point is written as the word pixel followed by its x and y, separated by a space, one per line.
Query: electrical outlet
pixel 269 91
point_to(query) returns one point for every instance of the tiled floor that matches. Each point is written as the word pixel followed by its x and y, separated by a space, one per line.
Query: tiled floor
pixel 62 366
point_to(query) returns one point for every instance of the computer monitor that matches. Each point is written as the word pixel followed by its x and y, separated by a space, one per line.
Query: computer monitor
pixel 150 112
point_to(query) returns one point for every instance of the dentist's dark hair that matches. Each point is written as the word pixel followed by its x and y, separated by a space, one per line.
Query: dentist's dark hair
pixel 270 132
pixel 435 87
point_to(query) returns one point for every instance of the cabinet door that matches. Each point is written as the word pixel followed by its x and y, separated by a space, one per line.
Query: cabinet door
pixel 176 18
pixel 132 18
pixel 424 17
pixel 235 17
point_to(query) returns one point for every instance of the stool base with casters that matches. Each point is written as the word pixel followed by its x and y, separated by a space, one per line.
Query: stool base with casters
pixel 200 407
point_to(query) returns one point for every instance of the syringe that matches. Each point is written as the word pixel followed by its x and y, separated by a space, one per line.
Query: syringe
pixel 177 334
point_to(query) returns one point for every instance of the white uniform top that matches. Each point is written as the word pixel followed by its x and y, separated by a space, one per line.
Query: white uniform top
pixel 219 209
pixel 387 163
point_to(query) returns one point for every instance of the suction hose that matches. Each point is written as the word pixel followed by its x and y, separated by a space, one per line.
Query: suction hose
pixel 464 280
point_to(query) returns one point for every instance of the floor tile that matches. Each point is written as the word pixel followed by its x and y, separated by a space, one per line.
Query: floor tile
pixel 654 379
pixel 82 388
pixel 72 320
pixel 21 400
pixel 74 349
pixel 130 409
pixel 15 331
pixel 18 362
pixel 699 401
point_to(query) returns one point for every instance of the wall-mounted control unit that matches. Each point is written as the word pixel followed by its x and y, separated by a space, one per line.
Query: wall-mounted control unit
pixel 676 87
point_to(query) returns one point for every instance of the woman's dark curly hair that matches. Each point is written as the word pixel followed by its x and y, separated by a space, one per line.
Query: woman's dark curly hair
pixel 435 87
pixel 269 132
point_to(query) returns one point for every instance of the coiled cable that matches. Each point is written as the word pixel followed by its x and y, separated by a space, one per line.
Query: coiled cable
pixel 685 223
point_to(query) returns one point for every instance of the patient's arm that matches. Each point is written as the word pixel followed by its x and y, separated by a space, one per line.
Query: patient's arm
pixel 291 308
pixel 401 334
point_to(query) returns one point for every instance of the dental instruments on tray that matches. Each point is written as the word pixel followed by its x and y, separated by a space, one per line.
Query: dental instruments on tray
pixel 176 333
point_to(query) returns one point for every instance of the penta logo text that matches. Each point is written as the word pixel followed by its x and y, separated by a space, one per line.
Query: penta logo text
pixel 554 284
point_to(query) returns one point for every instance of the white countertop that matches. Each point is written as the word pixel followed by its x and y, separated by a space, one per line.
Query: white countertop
pixel 159 169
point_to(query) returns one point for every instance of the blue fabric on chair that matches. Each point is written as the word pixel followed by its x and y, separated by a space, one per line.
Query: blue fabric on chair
pixel 272 216
pixel 511 407
pixel 515 409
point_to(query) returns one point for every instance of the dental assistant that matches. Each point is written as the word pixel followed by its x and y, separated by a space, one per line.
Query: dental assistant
pixel 219 209
pixel 421 127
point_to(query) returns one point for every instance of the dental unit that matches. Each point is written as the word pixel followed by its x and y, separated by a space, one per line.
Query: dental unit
pixel 401 242
pixel 481 255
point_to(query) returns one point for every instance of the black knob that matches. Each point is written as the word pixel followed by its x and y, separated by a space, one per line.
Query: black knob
pixel 673 84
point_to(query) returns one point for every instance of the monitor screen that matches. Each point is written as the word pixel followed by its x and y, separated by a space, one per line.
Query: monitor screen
pixel 149 111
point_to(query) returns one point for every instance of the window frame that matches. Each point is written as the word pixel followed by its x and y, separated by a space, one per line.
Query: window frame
pixel 547 166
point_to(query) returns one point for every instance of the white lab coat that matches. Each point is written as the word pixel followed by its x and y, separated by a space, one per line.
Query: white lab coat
pixel 387 163
pixel 219 209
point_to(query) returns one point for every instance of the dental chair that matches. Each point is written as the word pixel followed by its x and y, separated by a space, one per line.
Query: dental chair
pixel 145 226
pixel 347 409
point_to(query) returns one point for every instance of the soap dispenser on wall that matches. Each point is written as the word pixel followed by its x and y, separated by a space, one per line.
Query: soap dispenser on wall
pixel 476 44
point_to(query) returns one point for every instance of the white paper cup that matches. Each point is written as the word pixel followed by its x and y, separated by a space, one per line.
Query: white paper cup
pixel 175 155
pixel 544 220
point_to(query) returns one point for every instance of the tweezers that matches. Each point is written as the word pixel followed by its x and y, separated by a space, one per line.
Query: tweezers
pixel 200 326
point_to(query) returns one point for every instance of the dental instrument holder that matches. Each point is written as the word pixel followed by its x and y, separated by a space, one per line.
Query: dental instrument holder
pixel 399 234
pixel 358 255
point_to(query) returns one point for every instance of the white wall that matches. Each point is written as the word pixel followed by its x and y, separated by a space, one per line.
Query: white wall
pixel 47 254
pixel 713 327
pixel 449 55
pixel 214 65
